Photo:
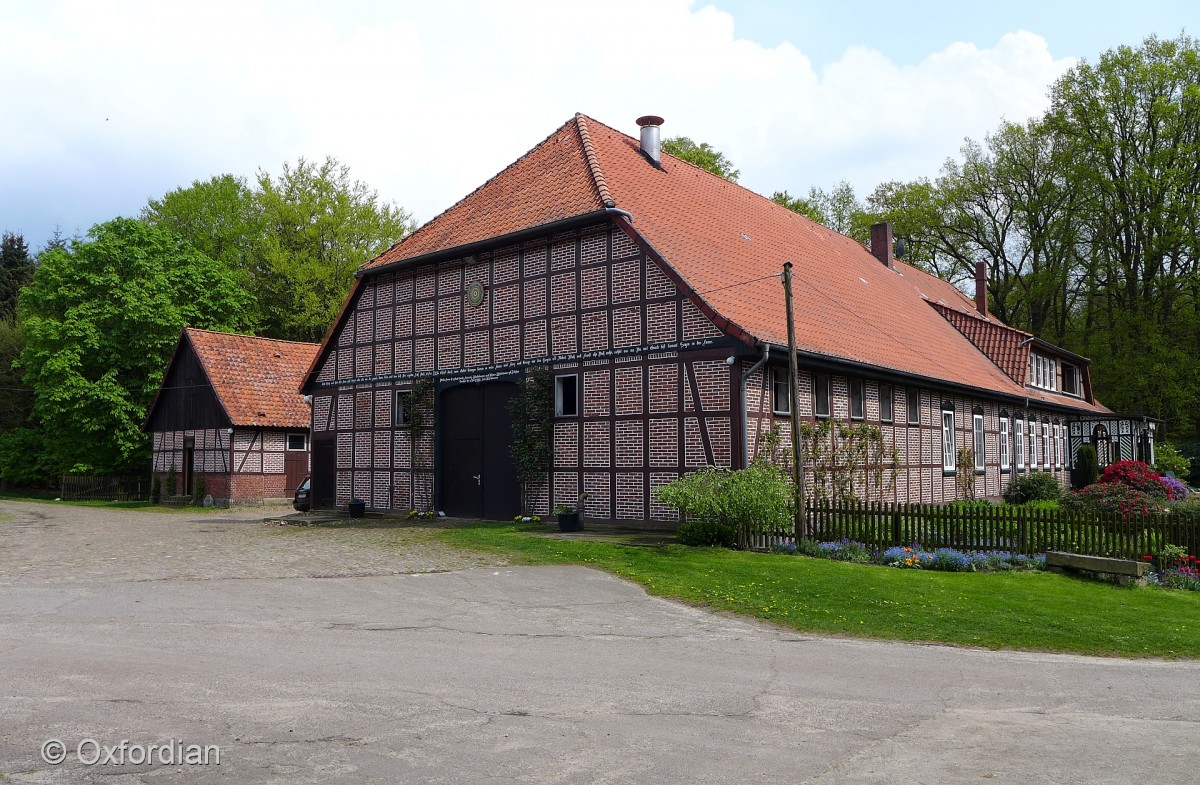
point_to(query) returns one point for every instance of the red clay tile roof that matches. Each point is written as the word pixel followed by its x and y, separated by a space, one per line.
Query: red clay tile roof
pixel 1006 346
pixel 729 244
pixel 257 380
pixel 555 180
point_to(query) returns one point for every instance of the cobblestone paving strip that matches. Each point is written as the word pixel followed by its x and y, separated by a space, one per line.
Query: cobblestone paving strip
pixel 55 542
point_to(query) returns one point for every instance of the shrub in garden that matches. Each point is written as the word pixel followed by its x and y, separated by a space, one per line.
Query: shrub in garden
pixel 747 501
pixel 1176 489
pixel 1110 497
pixel 971 505
pixel 1035 486
pixel 198 490
pixel 1087 466
pixel 1168 459
pixel 705 533
pixel 1135 474
pixel 1188 506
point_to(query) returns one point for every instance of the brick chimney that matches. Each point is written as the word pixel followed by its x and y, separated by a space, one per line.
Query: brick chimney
pixel 981 288
pixel 881 244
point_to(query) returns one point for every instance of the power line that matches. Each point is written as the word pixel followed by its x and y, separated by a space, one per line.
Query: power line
pixel 740 283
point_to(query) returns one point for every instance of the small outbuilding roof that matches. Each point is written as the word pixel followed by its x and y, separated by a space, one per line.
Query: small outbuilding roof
pixel 256 380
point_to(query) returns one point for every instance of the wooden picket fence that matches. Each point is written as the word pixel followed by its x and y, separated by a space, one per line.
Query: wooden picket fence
pixel 105 488
pixel 1013 529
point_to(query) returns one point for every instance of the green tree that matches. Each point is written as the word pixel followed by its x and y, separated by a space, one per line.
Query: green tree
pixel 293 241
pixel 319 227
pixel 703 155
pixel 100 319
pixel 798 204
pixel 221 218
pixel 916 212
pixel 839 209
pixel 16 268
pixel 1130 126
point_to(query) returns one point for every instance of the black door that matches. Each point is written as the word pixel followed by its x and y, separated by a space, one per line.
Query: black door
pixel 324 474
pixel 189 464
pixel 478 477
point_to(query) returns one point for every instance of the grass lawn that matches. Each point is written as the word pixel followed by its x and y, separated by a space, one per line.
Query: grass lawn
pixel 1014 610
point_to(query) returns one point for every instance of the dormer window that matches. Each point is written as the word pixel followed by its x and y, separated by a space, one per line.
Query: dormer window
pixel 1043 371
pixel 1072 380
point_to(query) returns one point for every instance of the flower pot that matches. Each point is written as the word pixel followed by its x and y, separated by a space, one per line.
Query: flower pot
pixel 358 508
pixel 569 522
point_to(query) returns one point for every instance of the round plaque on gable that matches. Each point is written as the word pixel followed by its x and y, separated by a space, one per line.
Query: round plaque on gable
pixel 475 294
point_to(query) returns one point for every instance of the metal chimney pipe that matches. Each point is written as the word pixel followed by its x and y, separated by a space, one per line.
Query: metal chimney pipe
pixel 651 144
pixel 981 288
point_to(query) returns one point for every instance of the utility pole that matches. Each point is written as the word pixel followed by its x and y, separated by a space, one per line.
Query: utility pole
pixel 794 399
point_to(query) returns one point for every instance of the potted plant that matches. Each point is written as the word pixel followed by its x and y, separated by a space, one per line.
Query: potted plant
pixel 568 518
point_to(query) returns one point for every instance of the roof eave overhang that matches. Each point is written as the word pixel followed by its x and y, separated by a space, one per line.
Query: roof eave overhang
pixel 1079 358
pixel 824 362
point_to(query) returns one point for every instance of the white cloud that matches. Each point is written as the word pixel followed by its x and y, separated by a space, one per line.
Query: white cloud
pixel 114 102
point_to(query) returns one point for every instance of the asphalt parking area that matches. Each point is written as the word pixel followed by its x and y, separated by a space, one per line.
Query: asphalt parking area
pixel 428 665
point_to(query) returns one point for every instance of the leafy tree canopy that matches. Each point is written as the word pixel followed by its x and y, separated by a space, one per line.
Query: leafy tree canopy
pixel 293 241
pixel 101 318
pixel 703 155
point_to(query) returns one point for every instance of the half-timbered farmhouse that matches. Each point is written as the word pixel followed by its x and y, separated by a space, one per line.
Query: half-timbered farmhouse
pixel 650 290
pixel 230 415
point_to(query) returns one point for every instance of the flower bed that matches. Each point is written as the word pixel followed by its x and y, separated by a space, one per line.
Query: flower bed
pixel 1178 570
pixel 914 557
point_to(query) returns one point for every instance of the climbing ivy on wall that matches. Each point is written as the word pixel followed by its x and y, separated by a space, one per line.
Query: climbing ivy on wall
pixel 532 412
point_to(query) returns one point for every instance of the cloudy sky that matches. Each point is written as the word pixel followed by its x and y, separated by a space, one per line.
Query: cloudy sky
pixel 108 103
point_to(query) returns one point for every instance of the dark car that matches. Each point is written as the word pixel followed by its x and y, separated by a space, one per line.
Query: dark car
pixel 303 499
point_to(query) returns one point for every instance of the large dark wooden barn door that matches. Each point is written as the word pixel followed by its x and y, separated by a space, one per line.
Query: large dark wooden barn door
pixel 478 478
pixel 324 474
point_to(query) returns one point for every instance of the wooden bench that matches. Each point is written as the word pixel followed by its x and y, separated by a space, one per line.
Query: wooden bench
pixel 1126 570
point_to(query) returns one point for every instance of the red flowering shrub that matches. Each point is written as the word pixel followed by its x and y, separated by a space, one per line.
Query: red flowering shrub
pixel 1136 475
pixel 1110 497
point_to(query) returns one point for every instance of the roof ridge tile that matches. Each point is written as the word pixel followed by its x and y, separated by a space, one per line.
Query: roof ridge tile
pixel 593 161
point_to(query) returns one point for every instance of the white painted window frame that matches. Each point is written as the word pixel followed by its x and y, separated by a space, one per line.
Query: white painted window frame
pixel 948 457
pixel 1005 436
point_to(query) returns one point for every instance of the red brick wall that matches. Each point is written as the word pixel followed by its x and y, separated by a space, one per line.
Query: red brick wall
pixel 588 303
pixel 254 458
pixel 920 478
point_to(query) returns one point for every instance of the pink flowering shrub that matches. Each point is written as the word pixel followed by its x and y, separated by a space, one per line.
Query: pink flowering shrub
pixel 1111 497
pixel 1135 474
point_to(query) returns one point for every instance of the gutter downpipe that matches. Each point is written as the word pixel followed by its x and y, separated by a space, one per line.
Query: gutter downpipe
pixel 746 405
